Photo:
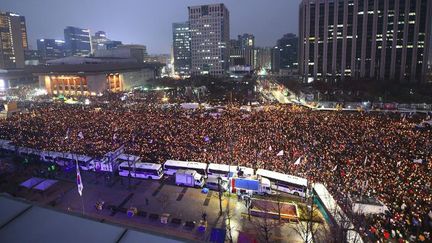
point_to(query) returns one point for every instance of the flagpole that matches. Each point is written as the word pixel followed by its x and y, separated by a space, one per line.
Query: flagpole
pixel 82 204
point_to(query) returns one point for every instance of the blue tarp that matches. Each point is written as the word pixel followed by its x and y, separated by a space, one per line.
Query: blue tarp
pixel 217 235
pixel 246 184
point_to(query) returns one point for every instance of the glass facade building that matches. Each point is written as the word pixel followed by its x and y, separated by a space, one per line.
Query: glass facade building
pixel 365 39
pixel 181 48
pixel 78 41
pixel 13 40
pixel 51 49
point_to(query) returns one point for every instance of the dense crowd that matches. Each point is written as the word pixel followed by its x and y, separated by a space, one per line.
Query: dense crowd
pixel 353 153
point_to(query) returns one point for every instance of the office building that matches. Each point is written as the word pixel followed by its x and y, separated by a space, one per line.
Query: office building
pixel 365 39
pixel 263 58
pixel 99 41
pixel 51 49
pixel 285 53
pixel 246 41
pixel 78 41
pixel 31 57
pixel 181 48
pixel 242 52
pixel 209 26
pixel 236 54
pixel 13 37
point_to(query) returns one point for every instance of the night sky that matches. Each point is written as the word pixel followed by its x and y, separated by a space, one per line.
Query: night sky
pixel 149 22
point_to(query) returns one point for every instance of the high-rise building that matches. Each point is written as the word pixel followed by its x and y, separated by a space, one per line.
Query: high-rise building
pixel 242 51
pixel 285 53
pixel 78 41
pixel 209 26
pixel 181 48
pixel 236 54
pixel 365 39
pixel 99 41
pixel 13 37
pixel 263 57
pixel 51 48
pixel 246 41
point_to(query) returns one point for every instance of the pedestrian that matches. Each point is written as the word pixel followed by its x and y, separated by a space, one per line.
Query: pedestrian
pixel 147 201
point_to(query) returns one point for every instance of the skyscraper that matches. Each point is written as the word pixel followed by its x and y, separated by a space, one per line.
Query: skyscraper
pixel 13 37
pixel 242 51
pixel 99 41
pixel 78 41
pixel 285 53
pixel 209 26
pixel 246 41
pixel 263 57
pixel 51 49
pixel 365 39
pixel 181 48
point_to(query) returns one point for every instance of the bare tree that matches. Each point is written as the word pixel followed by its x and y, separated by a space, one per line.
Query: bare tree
pixel 309 224
pixel 265 223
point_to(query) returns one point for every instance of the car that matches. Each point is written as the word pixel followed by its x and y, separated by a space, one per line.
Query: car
pixel 212 183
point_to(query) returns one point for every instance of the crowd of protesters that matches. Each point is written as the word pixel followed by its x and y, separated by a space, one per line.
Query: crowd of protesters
pixel 352 153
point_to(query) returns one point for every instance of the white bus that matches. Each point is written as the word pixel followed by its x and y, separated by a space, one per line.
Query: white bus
pixel 141 170
pixel 29 152
pixel 285 183
pixel 171 167
pixel 229 170
pixel 6 146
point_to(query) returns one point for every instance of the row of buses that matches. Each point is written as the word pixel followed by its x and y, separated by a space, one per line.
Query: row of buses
pixel 130 165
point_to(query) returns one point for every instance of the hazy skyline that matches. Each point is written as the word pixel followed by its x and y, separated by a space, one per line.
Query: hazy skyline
pixel 150 22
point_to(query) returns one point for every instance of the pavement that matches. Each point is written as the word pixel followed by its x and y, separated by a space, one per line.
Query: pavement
pixel 151 197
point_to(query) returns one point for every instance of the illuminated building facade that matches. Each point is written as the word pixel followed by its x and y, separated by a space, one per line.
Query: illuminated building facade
pixel 13 40
pixel 78 41
pixel 246 41
pixel 242 52
pixel 209 26
pixel 365 39
pixel 285 53
pixel 93 79
pixel 181 48
pixel 51 49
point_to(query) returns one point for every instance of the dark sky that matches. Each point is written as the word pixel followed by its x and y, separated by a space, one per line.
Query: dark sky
pixel 149 21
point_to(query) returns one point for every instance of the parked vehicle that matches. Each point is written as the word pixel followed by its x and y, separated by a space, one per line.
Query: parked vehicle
pixel 285 183
pixel 189 178
pixel 252 186
pixel 172 166
pixel 212 183
pixel 141 170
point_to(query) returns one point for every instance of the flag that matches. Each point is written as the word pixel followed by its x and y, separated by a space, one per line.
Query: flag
pixel 281 153
pixel 419 161
pixel 79 181
pixel 365 161
pixel 80 135
pixel 270 148
pixel 297 162
pixel 398 163
pixel 335 168
pixel 115 136
pixel 67 134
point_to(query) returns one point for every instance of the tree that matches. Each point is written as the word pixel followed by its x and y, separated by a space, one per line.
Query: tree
pixel 265 224
pixel 308 226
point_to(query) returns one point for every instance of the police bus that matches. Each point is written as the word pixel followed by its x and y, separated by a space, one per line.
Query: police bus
pixel 285 183
pixel 229 170
pixel 141 170
pixel 171 167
